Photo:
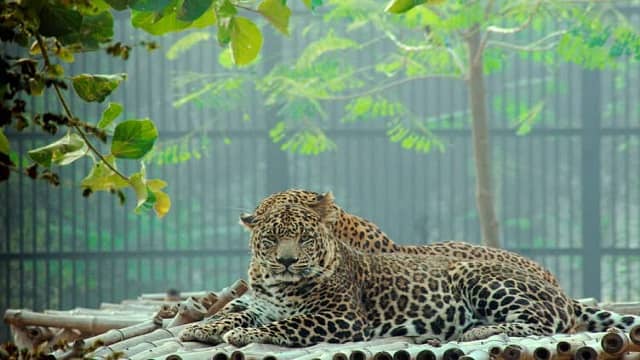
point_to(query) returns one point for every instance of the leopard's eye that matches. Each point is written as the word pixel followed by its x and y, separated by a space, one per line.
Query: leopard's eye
pixel 268 242
pixel 306 240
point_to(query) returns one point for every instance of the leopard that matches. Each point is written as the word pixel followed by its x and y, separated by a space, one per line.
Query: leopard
pixel 308 287
pixel 366 236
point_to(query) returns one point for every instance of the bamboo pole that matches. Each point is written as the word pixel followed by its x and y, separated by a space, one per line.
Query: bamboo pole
pixel 402 355
pixel 476 355
pixel 237 289
pixel 150 303
pixel 166 348
pixel 227 294
pixel 98 312
pixel 122 346
pixel 629 308
pixel 106 306
pixel 206 353
pixel 631 356
pixel 188 312
pixel 183 295
pixel 634 335
pixel 85 324
pixel 566 346
pixel 513 352
pixel 586 353
pixel 615 342
pixel 544 352
pixel 593 350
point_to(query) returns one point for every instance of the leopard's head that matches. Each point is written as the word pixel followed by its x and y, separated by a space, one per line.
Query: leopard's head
pixel 291 242
pixel 306 198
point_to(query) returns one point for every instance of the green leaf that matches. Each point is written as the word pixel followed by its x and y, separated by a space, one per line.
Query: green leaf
pixel 109 114
pixel 225 59
pixel 94 87
pixel 207 19
pixel 61 152
pixel 145 197
pixel 118 4
pixel 149 5
pixel 102 178
pixel 225 9
pixel 36 86
pixel 163 202
pixel 323 46
pixel 308 142
pixel 313 4
pixel 246 40
pixel 528 118
pixel 224 31
pixel 401 6
pixel 157 23
pixel 186 43
pixel 57 20
pixel 94 30
pixel 193 9
pixel 4 143
pixel 278 14
pixel 132 139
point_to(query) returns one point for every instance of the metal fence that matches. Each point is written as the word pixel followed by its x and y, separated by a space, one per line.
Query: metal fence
pixel 568 193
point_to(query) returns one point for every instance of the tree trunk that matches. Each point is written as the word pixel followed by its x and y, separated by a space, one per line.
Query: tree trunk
pixel 481 145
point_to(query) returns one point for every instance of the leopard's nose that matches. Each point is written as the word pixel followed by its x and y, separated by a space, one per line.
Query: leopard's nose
pixel 286 261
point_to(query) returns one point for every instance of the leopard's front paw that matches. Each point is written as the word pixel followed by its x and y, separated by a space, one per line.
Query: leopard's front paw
pixel 238 337
pixel 206 333
pixel 244 336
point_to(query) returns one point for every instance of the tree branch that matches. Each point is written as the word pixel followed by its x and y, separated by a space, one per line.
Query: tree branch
pixel 534 46
pixel 247 8
pixel 387 86
pixel 410 48
pixel 524 25
pixel 67 110
pixel 499 30
pixel 405 47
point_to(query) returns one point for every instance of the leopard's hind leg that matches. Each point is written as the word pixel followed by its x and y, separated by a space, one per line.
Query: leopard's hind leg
pixel 510 329
pixel 506 299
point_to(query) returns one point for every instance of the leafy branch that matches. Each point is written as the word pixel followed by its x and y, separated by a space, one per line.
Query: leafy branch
pixel 75 125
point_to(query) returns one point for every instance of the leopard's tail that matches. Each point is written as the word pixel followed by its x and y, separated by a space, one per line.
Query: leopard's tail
pixel 594 319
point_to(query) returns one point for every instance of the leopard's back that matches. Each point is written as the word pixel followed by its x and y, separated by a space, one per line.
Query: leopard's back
pixel 366 236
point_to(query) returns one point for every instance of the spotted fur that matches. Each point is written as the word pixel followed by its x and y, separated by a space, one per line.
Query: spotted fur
pixel 366 236
pixel 308 287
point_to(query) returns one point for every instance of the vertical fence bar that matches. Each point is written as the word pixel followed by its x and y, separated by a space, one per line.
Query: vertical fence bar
pixel 591 181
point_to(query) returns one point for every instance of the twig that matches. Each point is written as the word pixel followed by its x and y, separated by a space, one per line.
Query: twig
pixel 67 110
pixel 404 46
pixel 387 86
pixel 524 25
pixel 534 46
pixel 410 48
pixel 248 9
pixel 499 30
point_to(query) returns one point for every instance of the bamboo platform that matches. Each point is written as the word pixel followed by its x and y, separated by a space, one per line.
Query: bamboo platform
pixel 147 327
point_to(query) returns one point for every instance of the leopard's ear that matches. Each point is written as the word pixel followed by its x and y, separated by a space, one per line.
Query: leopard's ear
pixel 326 207
pixel 247 220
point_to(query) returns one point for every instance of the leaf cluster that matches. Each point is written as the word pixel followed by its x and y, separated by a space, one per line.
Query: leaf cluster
pixel 422 39
pixel 50 32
